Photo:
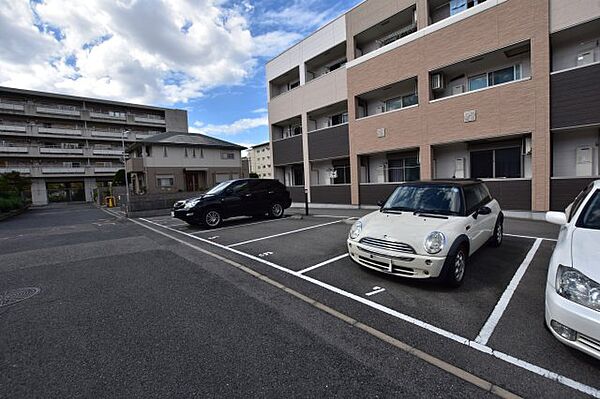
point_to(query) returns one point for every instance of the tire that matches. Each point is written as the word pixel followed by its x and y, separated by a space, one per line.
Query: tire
pixel 455 267
pixel 212 218
pixel 276 210
pixel 498 235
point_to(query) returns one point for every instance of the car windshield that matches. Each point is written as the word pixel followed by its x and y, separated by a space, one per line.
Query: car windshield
pixel 590 217
pixel 425 199
pixel 219 188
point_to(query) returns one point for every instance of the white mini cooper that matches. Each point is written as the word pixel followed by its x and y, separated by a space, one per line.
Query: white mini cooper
pixel 428 230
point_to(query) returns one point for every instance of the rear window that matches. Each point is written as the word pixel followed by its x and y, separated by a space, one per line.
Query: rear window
pixel 590 217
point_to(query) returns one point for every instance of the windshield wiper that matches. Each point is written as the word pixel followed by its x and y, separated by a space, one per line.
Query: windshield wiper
pixel 395 209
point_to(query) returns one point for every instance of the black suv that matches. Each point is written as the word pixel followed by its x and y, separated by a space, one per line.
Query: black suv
pixel 243 197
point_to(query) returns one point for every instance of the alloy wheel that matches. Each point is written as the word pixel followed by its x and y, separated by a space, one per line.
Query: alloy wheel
pixel 212 218
pixel 459 265
pixel 276 210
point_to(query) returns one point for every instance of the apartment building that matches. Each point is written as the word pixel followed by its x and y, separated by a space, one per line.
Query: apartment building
pixel 174 161
pixel 70 145
pixel 259 160
pixel 392 91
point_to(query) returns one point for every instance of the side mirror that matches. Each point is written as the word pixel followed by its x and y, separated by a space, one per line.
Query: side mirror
pixel 484 210
pixel 559 218
pixel 380 203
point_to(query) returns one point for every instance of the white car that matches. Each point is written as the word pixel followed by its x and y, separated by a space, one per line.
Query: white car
pixel 573 284
pixel 428 230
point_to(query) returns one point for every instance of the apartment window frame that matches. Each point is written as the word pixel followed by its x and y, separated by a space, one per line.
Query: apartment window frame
pixel 227 156
pixel 185 152
pixel 495 163
pixel 393 173
pixel 165 152
pixel 170 180
pixel 489 77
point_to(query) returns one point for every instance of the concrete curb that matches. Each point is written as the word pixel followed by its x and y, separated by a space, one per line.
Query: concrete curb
pixel 16 212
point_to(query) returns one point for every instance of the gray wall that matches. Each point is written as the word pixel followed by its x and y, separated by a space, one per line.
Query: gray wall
pixel 332 194
pixel 564 191
pixel 176 120
pixel 575 97
pixel 329 143
pixel 288 151
pixel 564 146
pixel 511 194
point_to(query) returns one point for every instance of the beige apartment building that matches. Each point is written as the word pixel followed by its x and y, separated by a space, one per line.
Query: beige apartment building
pixel 174 162
pixel 69 146
pixel 259 160
pixel 507 91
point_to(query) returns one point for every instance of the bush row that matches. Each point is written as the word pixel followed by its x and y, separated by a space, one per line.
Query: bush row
pixel 9 203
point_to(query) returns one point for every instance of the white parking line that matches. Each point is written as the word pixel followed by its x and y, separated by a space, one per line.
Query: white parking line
pixel 237 225
pixel 492 321
pixel 284 234
pixel 323 263
pixel 401 316
pixel 530 237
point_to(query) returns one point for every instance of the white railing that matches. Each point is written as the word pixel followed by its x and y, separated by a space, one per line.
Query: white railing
pixel 11 106
pixel 58 150
pixel 102 115
pixel 70 111
pixel 108 152
pixel 53 130
pixel 59 170
pixel 14 149
pixel 21 170
pixel 13 128
pixel 106 169
pixel 148 119
pixel 98 133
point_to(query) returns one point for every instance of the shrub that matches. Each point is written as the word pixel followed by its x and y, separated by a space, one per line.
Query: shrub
pixel 10 203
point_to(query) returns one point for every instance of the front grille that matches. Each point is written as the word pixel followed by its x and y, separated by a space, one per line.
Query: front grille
pixel 383 266
pixel 389 245
pixel 589 341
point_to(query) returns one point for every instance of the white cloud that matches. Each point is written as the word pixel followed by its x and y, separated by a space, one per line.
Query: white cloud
pixel 260 111
pixel 151 51
pixel 236 127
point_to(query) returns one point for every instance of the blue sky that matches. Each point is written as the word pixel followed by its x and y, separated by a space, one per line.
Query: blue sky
pixel 206 56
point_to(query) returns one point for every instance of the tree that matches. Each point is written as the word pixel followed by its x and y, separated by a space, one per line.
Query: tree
pixel 253 175
pixel 119 178
pixel 13 182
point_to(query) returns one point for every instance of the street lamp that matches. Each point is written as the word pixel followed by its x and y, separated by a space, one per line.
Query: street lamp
pixel 125 167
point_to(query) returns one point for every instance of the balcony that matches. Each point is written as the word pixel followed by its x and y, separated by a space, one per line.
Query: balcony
pixel 135 165
pixel 48 170
pixel 60 131
pixel 119 116
pixel 104 133
pixel 111 170
pixel 442 9
pixel 150 119
pixel 13 128
pixel 329 142
pixel 288 151
pixel 13 149
pixel 9 105
pixel 393 97
pixel 284 83
pixel 60 150
pixel 19 169
pixel 64 110
pixel 116 151
pixel 575 97
pixel 500 67
pixel 327 62
pixel 386 32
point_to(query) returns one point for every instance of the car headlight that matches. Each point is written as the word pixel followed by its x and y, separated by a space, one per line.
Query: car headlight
pixel 356 230
pixel 577 287
pixel 190 204
pixel 435 242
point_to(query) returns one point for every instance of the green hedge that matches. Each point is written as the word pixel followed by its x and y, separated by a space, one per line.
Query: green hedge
pixel 10 203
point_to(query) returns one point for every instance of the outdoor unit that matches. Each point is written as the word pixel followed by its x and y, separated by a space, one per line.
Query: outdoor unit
pixel 437 81
pixel 459 169
pixel 583 161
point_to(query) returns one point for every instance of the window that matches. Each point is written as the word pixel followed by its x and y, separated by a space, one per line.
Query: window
pixel 441 200
pixel 293 85
pixel 342 174
pixel 185 152
pixel 586 57
pixel 393 103
pixel 165 154
pixel 478 82
pixel 499 163
pixel 165 182
pixel 409 100
pixel 227 155
pixel 476 196
pixel 297 175
pixel 339 119
pixel 194 152
pixel 403 169
pixel 590 217
pixel 504 75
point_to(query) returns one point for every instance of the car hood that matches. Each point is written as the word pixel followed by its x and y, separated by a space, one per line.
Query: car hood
pixel 408 228
pixel 585 252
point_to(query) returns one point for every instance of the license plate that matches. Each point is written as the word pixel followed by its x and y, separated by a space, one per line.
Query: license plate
pixel 172 214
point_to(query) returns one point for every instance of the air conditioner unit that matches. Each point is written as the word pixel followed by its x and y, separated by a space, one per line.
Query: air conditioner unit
pixel 459 169
pixel 583 161
pixel 437 81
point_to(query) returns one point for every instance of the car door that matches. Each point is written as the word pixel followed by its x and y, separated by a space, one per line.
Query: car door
pixel 255 198
pixel 489 221
pixel 234 198
pixel 476 224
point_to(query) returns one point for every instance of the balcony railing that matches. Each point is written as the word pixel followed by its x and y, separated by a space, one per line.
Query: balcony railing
pixel 108 152
pixel 13 128
pixel 19 169
pixel 53 130
pixel 58 110
pixel 60 150
pixel 13 149
pixel 12 105
pixel 105 169
pixel 105 115
pixel 149 119
pixel 104 133
pixel 62 170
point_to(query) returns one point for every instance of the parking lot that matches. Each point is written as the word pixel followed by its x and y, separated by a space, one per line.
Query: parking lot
pixel 492 326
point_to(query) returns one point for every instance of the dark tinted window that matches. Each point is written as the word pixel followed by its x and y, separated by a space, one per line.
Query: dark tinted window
pixel 590 217
pixel 427 199
pixel 471 198
pixel 578 200
pixel 482 164
pixel 240 186
pixel 508 162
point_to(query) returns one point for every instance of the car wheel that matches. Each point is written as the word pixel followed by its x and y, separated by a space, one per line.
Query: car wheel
pixel 212 218
pixel 276 210
pixel 456 264
pixel 498 235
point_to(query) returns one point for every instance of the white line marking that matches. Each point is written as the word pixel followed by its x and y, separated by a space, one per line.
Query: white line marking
pixel 401 316
pixel 213 237
pixel 286 233
pixel 530 237
pixel 323 263
pixel 492 321
pixel 376 290
pixel 237 226
pixel 265 254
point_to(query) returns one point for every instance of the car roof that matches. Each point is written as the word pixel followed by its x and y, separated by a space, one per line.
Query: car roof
pixel 445 182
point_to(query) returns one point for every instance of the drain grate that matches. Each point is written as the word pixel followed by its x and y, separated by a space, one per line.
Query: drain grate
pixel 20 294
